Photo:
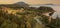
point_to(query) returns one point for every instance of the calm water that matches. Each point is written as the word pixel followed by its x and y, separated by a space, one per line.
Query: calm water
pixel 55 7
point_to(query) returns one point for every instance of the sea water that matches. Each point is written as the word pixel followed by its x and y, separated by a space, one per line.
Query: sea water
pixel 55 7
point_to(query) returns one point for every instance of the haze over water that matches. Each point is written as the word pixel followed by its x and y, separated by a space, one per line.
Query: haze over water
pixel 55 7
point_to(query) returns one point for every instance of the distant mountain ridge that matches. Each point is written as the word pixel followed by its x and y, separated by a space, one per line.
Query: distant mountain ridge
pixel 16 5
pixel 22 4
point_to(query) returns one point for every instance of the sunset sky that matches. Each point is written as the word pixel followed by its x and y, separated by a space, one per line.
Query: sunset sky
pixel 30 1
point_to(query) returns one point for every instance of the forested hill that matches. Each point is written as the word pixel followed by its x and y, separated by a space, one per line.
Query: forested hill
pixel 16 16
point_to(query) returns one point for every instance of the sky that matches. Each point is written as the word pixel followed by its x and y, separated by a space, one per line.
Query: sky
pixel 30 1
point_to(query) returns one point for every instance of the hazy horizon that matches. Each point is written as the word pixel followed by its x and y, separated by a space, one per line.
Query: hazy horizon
pixel 30 1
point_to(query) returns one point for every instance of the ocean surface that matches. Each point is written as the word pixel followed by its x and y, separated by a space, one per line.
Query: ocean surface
pixel 55 7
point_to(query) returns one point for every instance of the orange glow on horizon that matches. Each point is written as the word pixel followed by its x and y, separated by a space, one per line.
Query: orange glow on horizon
pixel 30 1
